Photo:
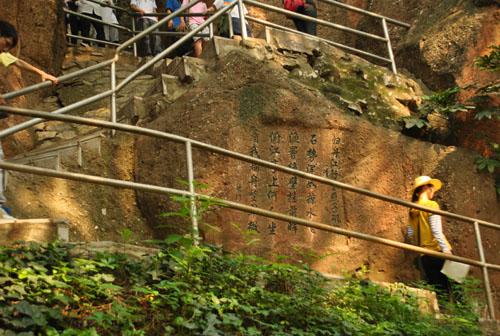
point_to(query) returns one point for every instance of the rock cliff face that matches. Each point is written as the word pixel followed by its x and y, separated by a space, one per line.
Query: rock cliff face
pixel 261 111
pixel 40 25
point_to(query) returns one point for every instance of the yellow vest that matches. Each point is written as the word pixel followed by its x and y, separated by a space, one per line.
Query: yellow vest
pixel 419 221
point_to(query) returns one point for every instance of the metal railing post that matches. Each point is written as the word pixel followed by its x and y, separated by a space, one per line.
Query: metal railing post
pixel 113 94
pixel 194 210
pixel 211 30
pixel 389 46
pixel 133 35
pixel 242 20
pixel 486 277
pixel 230 21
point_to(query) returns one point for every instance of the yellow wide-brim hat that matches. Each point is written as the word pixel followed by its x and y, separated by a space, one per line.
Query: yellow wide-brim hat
pixel 423 180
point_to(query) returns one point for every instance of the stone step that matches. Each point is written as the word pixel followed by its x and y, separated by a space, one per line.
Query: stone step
pixel 218 47
pixel 187 69
pixel 56 155
pixel 172 87
pixel 283 40
pixel 38 230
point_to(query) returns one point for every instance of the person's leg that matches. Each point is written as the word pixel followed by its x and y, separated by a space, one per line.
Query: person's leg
pixel 99 29
pixel 114 35
pixel 107 33
pixel 432 267
pixel 73 27
pixel 198 47
pixel 85 28
pixel 143 48
pixel 299 24
pixel 236 22
pixel 310 27
pixel 154 40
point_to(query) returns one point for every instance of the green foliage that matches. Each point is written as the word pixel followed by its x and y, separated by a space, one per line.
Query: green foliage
pixel 490 163
pixel 196 290
pixel 490 62
pixel 411 122
pixel 487 114
pixel 444 102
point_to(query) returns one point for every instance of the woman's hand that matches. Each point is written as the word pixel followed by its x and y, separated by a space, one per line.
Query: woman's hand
pixel 45 76
pixel 182 26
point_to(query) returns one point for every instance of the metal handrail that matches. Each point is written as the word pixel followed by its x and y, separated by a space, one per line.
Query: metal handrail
pixel 242 157
pixel 386 38
pixel 239 206
pixel 61 79
pixel 113 125
pixel 110 6
pixel 311 19
pixel 92 40
pixel 109 93
pixel 250 209
pixel 90 18
pixel 365 12
pixel 335 44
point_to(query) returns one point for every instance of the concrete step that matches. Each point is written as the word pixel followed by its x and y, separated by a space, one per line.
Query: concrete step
pixel 38 230
pixel 187 69
pixel 68 152
pixel 283 40
pixel 172 87
pixel 218 47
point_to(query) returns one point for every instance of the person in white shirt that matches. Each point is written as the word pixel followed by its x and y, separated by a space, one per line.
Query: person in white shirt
pixel 92 9
pixel 151 44
pixel 235 16
pixel 108 16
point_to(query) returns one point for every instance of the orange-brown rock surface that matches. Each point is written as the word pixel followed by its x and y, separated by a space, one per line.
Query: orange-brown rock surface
pixel 40 26
pixel 259 110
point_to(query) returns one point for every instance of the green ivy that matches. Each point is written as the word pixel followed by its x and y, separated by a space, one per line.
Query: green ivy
pixel 491 61
pixel 196 290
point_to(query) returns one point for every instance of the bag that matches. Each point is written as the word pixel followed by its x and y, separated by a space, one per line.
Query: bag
pixel 293 5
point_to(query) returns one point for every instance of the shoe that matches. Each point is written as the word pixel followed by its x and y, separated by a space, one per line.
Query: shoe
pixel 5 212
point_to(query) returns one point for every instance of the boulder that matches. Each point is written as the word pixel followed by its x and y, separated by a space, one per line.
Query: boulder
pixel 261 111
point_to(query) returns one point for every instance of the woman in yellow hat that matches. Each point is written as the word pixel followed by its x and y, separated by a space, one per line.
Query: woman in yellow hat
pixel 426 230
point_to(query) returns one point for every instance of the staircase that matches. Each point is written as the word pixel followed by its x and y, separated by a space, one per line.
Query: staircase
pixel 62 146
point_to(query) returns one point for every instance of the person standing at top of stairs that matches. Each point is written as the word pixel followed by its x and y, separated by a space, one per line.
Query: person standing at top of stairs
pixel 150 45
pixel 235 16
pixel 94 10
pixel 195 22
pixel 108 16
pixel 304 7
pixel 8 40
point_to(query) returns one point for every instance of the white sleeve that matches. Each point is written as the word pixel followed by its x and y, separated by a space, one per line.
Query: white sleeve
pixel 134 2
pixel 437 232
pixel 409 231
pixel 218 3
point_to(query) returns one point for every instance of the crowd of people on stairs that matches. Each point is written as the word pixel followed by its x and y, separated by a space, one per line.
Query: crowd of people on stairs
pixel 147 14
